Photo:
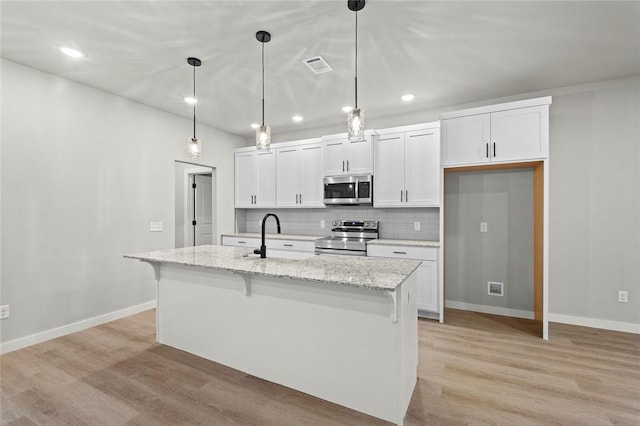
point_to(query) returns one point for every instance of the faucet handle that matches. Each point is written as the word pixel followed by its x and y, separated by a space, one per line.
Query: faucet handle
pixel 257 251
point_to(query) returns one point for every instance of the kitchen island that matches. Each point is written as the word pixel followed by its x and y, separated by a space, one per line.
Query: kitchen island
pixel 341 328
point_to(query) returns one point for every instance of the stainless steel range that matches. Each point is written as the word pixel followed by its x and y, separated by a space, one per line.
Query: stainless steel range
pixel 348 237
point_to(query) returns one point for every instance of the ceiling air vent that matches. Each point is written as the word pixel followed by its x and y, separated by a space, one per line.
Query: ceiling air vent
pixel 318 64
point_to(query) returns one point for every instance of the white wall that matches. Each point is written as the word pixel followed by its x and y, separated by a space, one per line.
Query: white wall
pixel 594 203
pixel 83 173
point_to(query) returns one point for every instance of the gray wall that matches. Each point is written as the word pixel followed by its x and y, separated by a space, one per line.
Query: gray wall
pixel 504 200
pixel 594 190
pixel 83 173
pixel 394 223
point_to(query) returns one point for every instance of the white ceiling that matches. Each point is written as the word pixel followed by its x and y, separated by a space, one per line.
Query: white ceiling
pixel 445 53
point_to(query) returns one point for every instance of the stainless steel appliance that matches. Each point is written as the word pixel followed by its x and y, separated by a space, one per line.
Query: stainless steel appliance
pixel 348 237
pixel 348 190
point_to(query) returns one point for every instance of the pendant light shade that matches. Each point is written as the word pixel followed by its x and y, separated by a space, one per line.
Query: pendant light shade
pixel 355 120
pixel 263 133
pixel 194 146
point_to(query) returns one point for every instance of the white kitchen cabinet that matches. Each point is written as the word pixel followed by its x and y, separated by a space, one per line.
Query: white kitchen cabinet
pixel 299 175
pixel 342 157
pixel 511 132
pixel 255 179
pixel 407 166
pixel 427 298
pixel 307 246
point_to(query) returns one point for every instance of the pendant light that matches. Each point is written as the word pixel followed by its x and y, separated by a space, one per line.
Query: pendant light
pixel 263 133
pixel 194 146
pixel 355 120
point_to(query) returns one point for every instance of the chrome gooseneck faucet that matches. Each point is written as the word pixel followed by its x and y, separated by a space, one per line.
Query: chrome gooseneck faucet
pixel 262 251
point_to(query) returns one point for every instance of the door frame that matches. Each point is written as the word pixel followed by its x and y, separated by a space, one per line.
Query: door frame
pixel 540 235
pixel 187 204
pixel 194 168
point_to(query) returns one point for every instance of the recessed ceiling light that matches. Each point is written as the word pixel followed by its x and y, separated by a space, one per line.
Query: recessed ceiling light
pixel 254 125
pixel 408 97
pixel 69 51
pixel 190 100
pixel 347 109
pixel 297 118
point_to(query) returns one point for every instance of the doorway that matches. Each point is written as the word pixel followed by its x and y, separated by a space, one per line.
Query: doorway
pixel 494 241
pixel 194 204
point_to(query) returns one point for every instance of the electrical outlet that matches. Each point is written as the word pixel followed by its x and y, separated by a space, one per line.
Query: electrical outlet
pixel 4 311
pixel 416 226
pixel 623 296
pixel 322 224
pixel 155 226
pixel 483 226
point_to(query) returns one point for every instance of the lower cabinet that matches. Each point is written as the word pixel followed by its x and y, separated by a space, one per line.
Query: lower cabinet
pixel 271 243
pixel 427 272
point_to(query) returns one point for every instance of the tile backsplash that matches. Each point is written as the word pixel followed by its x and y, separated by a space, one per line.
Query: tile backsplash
pixel 394 223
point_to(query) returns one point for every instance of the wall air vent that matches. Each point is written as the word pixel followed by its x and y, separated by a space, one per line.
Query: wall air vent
pixel 318 65
pixel 495 289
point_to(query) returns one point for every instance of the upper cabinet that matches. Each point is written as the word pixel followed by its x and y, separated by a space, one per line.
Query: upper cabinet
pixel 342 157
pixel 255 177
pixel 299 174
pixel 511 132
pixel 407 166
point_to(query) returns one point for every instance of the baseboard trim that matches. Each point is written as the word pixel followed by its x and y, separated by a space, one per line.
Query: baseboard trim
pixel 43 336
pixel 493 310
pixel 626 327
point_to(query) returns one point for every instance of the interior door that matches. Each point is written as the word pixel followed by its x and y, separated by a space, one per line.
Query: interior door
pixel 203 228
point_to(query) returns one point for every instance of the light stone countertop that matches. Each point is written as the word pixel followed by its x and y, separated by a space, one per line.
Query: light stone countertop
pixel 291 237
pixel 408 243
pixel 364 272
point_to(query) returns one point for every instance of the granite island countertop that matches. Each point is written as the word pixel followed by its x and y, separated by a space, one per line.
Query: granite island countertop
pixel 364 272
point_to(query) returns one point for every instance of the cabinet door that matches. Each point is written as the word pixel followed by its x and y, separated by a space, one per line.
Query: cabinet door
pixel 465 140
pixel 422 168
pixel 287 172
pixel 518 134
pixel 310 178
pixel 245 179
pixel 359 156
pixel 265 180
pixel 334 161
pixel 428 286
pixel 389 170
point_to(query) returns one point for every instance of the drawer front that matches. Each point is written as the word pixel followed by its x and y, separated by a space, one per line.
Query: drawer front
pixel 403 252
pixel 291 245
pixel 240 242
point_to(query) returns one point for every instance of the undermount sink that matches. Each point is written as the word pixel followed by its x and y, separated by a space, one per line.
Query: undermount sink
pixel 283 254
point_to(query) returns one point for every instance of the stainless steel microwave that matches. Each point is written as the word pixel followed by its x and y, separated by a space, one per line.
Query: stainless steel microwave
pixel 348 190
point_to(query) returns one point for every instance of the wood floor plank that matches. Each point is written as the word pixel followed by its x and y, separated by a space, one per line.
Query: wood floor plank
pixel 476 369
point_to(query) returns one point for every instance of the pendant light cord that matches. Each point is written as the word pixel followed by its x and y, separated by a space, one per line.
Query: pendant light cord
pixel 263 83
pixel 356 75
pixel 194 103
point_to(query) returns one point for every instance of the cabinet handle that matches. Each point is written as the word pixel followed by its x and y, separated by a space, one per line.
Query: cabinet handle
pixel 487 150
pixel 406 196
pixel 347 165
pixel 401 195
pixel 494 149
pixel 296 198
pixel 300 198
pixel 343 165
pixel 288 245
pixel 242 242
pixel 399 252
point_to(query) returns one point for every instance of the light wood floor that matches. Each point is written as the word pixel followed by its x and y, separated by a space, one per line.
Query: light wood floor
pixel 476 369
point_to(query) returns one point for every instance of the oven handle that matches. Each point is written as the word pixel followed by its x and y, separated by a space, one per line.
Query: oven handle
pixel 320 251
pixel 357 188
